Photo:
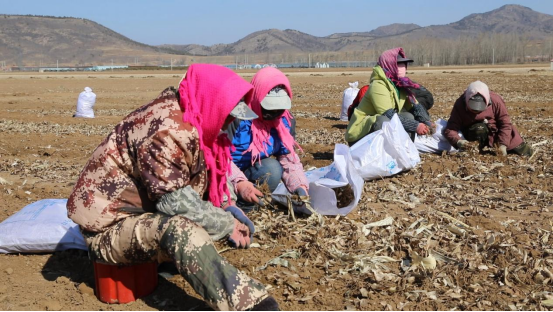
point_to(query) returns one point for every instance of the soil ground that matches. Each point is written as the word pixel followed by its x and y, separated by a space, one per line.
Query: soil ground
pixel 486 219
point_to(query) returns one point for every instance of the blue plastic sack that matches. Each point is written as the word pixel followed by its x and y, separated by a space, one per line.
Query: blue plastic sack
pixel 42 226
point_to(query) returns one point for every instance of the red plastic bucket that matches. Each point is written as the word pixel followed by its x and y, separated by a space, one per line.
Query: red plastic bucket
pixel 122 284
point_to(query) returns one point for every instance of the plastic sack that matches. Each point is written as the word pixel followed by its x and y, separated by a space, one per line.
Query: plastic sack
pixel 322 181
pixel 385 152
pixel 437 142
pixel 85 104
pixel 42 226
pixel 349 95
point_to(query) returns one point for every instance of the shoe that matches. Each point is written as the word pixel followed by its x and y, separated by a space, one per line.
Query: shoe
pixel 523 150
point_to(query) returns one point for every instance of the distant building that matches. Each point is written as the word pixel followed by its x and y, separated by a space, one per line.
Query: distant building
pixel 108 67
pixel 68 69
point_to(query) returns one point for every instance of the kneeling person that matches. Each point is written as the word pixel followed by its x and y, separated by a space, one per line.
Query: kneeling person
pixel 482 117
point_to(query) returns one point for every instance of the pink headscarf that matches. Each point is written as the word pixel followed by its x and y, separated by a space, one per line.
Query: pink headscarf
pixel 388 62
pixel 208 93
pixel 263 81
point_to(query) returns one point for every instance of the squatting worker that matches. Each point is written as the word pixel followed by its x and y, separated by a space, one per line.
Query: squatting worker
pixel 390 93
pixel 481 115
pixel 152 189
pixel 264 147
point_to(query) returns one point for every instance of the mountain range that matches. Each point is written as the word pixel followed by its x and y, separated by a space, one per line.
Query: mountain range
pixel 507 19
pixel 34 40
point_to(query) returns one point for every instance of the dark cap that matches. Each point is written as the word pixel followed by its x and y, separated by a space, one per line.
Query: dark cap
pixel 477 103
pixel 401 59
pixel 242 111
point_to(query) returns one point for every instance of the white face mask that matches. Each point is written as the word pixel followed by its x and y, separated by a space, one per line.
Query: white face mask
pixel 401 70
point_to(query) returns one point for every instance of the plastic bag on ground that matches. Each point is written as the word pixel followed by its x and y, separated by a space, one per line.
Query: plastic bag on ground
pixel 349 95
pixel 42 226
pixel 437 142
pixel 85 104
pixel 385 152
pixel 323 181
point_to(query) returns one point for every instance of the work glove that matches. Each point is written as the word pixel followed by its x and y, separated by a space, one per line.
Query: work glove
pixel 462 144
pixel 240 235
pixel 301 196
pixel 422 129
pixel 239 215
pixel 248 192
pixel 503 150
pixel 431 127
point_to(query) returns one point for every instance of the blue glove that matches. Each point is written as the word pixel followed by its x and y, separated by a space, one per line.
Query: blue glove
pixel 301 192
pixel 239 215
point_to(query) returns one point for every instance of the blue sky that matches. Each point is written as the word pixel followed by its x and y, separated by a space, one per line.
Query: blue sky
pixel 209 22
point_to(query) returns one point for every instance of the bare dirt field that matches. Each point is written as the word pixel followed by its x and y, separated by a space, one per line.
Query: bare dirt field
pixel 486 219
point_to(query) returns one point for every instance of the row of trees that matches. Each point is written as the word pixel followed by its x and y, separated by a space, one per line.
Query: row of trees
pixel 491 48
pixel 484 49
pixel 481 50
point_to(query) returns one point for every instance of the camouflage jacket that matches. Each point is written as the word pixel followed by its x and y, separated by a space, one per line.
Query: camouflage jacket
pixel 151 161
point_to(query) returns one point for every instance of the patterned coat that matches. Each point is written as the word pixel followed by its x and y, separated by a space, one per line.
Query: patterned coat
pixel 145 164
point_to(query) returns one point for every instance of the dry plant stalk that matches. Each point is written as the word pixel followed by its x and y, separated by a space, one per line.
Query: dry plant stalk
pixel 267 195
pixel 471 148
pixel 290 208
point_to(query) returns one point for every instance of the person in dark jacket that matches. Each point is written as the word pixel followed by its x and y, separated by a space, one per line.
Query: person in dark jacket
pixel 482 117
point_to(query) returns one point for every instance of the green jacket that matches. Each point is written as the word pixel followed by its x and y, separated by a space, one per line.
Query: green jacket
pixel 381 96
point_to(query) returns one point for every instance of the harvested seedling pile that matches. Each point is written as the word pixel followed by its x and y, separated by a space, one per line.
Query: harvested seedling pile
pixel 431 259
pixel 344 195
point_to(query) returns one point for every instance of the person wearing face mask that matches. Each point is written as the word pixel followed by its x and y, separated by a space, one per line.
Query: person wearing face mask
pixel 482 117
pixel 390 92
pixel 265 146
pixel 154 189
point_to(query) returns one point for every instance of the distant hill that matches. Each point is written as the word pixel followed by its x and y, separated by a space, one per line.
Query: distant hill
pixel 290 41
pixel 507 19
pixel 393 29
pixel 35 40
pixel 271 40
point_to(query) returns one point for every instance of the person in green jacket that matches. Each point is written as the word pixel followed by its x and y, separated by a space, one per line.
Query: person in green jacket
pixel 389 93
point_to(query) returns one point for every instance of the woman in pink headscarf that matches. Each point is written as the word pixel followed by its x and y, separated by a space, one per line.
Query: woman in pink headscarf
pixel 390 93
pixel 265 146
pixel 152 190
